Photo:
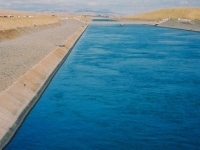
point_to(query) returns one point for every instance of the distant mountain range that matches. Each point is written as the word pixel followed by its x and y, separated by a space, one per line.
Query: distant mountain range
pixel 86 11
pixel 97 12
pixel 53 11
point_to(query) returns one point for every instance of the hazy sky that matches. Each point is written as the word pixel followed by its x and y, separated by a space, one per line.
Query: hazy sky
pixel 120 6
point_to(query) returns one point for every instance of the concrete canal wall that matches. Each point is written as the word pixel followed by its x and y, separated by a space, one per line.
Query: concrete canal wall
pixel 18 99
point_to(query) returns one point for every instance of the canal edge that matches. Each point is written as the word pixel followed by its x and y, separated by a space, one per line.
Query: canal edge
pixel 24 93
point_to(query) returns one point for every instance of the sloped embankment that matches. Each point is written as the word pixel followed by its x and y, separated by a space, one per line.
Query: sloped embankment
pixel 17 100
pixel 12 28
pixel 185 25
pixel 15 33
pixel 19 55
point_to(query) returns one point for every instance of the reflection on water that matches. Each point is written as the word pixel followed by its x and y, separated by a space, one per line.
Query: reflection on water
pixel 130 87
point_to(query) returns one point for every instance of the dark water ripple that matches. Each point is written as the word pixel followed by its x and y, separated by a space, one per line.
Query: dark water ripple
pixel 133 87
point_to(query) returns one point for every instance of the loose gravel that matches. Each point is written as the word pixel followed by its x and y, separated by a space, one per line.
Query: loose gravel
pixel 20 55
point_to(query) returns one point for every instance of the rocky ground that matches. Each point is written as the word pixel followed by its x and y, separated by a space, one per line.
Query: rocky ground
pixel 19 55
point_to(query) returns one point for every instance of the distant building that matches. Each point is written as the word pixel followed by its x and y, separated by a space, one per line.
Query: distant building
pixel 6 16
pixel 181 19
pixel 164 20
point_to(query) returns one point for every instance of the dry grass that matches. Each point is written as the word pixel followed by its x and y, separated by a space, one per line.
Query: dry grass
pixel 22 23
pixel 15 22
pixel 174 13
pixel 39 18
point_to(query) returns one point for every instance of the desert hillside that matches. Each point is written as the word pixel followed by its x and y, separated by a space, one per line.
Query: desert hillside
pixel 174 13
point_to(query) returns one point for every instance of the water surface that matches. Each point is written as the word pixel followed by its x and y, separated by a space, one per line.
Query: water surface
pixel 131 87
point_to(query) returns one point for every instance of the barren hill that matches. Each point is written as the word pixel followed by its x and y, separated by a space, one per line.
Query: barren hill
pixel 174 13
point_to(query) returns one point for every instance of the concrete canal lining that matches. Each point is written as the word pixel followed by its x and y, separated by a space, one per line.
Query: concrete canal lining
pixel 18 99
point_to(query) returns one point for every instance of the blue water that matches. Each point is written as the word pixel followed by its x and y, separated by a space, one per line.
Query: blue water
pixel 103 19
pixel 133 87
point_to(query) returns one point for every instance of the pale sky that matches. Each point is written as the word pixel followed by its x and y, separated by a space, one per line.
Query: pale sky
pixel 119 6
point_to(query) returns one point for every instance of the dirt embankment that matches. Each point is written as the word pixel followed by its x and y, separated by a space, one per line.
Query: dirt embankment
pixel 11 28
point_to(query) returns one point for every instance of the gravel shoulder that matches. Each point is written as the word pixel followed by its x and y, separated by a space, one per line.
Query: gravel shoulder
pixel 20 55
